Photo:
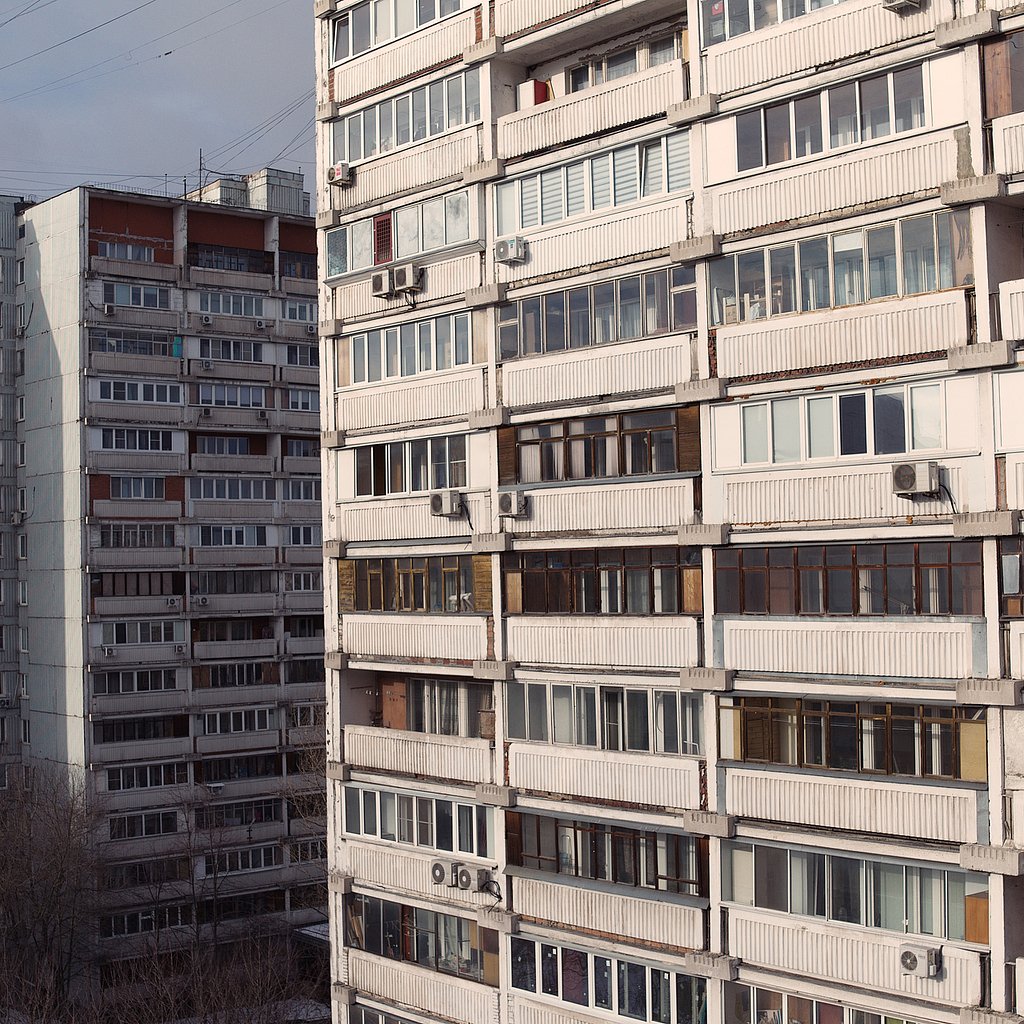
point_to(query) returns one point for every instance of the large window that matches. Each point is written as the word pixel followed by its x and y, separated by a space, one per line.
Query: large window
pixel 143 631
pixel 372 24
pixel 143 295
pixel 745 1004
pixel 623 62
pixel 134 681
pixel 411 230
pixel 887 420
pixel 131 488
pixel 408 118
pixel 605 717
pixel 232 536
pixel 630 444
pixel 835 118
pixel 1011 578
pixel 137 535
pixel 439 707
pixel 932 578
pixel 130 439
pixel 429 822
pixel 138 826
pixel 897 897
pixel 140 391
pixel 126 251
pixel 907 257
pixel 236 396
pixel 231 303
pixel 440 583
pixel 147 776
pixel 872 738
pixel 627 309
pixel 439 942
pixel 246 720
pixel 605 581
pixel 411 467
pixel 234 350
pixel 230 257
pixel 128 342
pixel 134 730
pixel 232 488
pixel 612 178
pixel 724 19
pixel 423 346
pixel 622 987
pixel 666 861
pixel 1004 74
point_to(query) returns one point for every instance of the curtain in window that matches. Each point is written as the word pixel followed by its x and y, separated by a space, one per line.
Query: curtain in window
pixel 447 708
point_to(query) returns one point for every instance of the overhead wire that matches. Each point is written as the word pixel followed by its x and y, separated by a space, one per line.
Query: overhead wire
pixel 30 8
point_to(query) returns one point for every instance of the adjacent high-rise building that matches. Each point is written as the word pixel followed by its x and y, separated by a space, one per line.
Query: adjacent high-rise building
pixel 673 590
pixel 166 536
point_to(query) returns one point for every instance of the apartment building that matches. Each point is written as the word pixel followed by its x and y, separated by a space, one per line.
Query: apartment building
pixel 167 542
pixel 672 509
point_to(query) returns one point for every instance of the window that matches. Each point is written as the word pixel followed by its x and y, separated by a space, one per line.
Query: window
pixel 301 490
pixel 1011 582
pixel 247 720
pixel 408 118
pixel 252 858
pixel 933 578
pixel 232 536
pixel 440 583
pixel 236 351
pixel 372 24
pixel 133 730
pixel 301 310
pixel 725 19
pixel 301 448
pixel 436 941
pixel 883 421
pixel 870 738
pixel 140 391
pixel 905 898
pixel 19 272
pixel 665 861
pixel 245 812
pixel 1003 62
pixel 411 230
pixel 238 396
pixel 21 409
pixel 611 178
pixel 231 488
pixel 22 545
pixel 303 355
pixel 222 444
pixel 623 62
pixel 439 707
pixel 136 584
pixel 146 296
pixel 235 673
pixel 230 257
pixel 20 457
pixel 138 826
pixel 303 850
pixel 411 467
pixel 239 581
pixel 147 488
pixel 435 823
pixel 304 536
pixel 134 681
pixel 423 346
pixel 303 400
pixel 133 343
pixel 137 535
pixel 228 769
pixel 624 310
pixel 231 303
pixel 630 990
pixel 126 251
pixel 143 631
pixel 605 717
pixel 605 581
pixel 125 439
pixel 149 872
pixel 23 593
pixel 298 264
pixel 907 257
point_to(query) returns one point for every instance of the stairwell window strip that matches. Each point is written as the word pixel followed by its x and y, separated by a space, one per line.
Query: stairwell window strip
pixel 423 346
pixel 369 25
pixel 613 178
pixel 412 230
pixel 405 120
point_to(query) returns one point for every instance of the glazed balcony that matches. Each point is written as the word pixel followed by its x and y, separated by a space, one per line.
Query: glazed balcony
pixel 455 758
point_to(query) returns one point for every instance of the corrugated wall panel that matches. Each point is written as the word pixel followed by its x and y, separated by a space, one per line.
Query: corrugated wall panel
pixel 439 757
pixel 427 398
pixel 453 637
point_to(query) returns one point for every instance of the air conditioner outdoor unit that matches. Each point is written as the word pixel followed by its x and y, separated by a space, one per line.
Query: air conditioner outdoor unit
pixel 179 648
pixel 408 278
pixel 910 478
pixel 6 702
pixel 465 877
pixel 512 504
pixel 446 503
pixel 510 250
pixel 206 319
pixel 920 961
pixel 108 309
pixel 262 414
pixel 260 324
pixel 207 364
pixel 108 652
pixel 444 872
pixel 207 411
pixel 202 601
pixel 901 5
pixel 311 328
pixel 339 174
pixel 381 285
pixel 17 518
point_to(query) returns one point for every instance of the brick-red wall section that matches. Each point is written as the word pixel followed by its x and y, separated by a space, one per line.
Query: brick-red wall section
pixel 116 220
pixel 224 229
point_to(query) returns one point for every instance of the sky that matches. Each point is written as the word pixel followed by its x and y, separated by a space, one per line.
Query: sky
pixel 132 103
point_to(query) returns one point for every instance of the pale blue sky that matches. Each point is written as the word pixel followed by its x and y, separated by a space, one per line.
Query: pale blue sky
pixel 144 111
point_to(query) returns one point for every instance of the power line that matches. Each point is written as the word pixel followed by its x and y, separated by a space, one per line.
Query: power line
pixel 30 8
pixel 78 35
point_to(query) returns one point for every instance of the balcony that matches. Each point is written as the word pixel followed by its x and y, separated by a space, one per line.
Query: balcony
pixel 917 648
pixel 257 465
pixel 606 236
pixel 135 509
pixel 303 645
pixel 135 558
pixel 865 957
pixel 303 556
pixel 1016 649
pixel 304 601
pixel 124 655
pixel 206 277
pixel 110 753
pixel 134 412
pixel 945 813
pixel 123 606
pixel 298 465
pixel 138 270
pixel 443 279
pixel 1008 151
pixel 117 363
pixel 230 369
pixel 875 331
pixel 131 316
pixel 231 556
pixel 910 163
pixel 612 507
pixel 428 163
pixel 301 376
pixel 170 463
pixel 1011 305
pixel 212 510
pixel 237 742
pixel 646 919
pixel 832 495
pixel 627 368
pixel 412 753
pixel 381 637
pixel 429 992
pixel 162 701
pixel 603 641
pixel 410 519
pixel 526 20
pixel 230 650
pixel 209 697
pixel 451 394
pixel 396 869
pixel 229 416
pixel 206 324
pixel 815 40
pixel 665 781
pixel 607 107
